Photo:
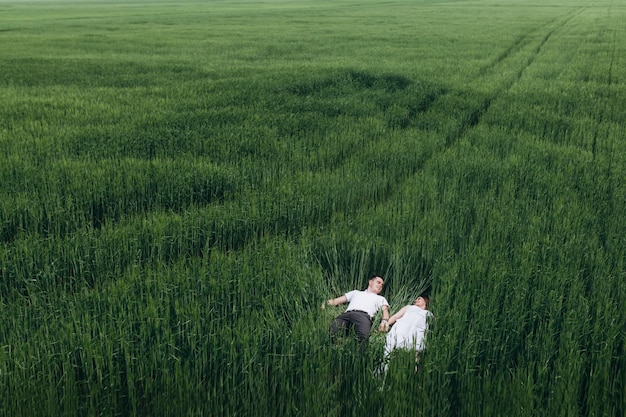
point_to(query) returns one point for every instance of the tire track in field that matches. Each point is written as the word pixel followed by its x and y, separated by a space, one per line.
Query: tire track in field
pixel 470 117
pixel 520 43
pixel 609 82
pixel 437 117
pixel 606 203
pixel 473 115
pixel 463 121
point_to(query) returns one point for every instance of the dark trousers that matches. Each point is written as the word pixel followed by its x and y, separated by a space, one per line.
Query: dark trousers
pixel 360 321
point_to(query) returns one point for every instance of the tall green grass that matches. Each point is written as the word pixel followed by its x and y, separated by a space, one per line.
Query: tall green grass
pixel 184 184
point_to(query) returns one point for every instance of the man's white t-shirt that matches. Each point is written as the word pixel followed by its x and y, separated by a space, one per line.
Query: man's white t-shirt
pixel 409 331
pixel 365 301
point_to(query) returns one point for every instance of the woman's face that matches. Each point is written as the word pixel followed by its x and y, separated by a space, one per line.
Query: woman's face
pixel 421 303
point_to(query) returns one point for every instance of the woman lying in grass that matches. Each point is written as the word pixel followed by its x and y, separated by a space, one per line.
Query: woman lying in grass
pixel 408 327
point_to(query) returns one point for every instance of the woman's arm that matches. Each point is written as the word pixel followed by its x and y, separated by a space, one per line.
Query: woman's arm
pixel 398 315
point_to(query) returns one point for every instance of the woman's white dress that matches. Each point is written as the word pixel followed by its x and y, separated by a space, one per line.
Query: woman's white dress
pixel 408 331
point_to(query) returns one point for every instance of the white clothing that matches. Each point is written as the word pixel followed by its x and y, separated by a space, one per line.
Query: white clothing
pixel 365 301
pixel 409 331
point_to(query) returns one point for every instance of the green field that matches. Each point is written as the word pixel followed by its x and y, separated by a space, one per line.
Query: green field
pixel 182 183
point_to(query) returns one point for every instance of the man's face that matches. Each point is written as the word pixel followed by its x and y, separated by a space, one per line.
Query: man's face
pixel 376 285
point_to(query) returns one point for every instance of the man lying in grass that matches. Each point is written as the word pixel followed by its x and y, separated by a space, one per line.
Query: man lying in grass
pixel 361 310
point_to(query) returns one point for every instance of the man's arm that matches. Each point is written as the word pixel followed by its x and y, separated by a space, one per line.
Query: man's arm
pixel 384 323
pixel 336 301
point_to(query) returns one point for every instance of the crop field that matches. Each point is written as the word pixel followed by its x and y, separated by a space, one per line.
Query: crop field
pixel 184 183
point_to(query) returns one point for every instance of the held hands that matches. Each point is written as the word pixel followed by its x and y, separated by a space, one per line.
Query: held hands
pixel 384 325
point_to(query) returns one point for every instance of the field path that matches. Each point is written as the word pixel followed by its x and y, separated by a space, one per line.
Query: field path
pixel 497 77
pixel 610 110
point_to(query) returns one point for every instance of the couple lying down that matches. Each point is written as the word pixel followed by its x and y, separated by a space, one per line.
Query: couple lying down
pixel 406 328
